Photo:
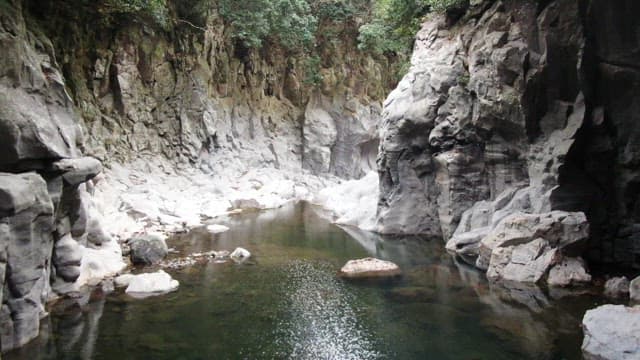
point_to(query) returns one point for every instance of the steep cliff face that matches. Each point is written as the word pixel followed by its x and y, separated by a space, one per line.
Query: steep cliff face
pixel 516 106
pixel 197 96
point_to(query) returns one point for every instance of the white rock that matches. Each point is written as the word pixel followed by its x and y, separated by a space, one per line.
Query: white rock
pixel 100 263
pixel 150 194
pixel 217 229
pixel 369 267
pixel 240 253
pixel 148 284
pixel 123 280
pixel 611 332
pixel 353 202
pixel 570 271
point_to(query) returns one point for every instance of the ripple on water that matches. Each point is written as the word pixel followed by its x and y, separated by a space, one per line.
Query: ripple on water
pixel 321 322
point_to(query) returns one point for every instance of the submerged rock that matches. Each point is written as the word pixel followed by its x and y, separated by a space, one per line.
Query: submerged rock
pixel 369 268
pixel 239 254
pixel 611 332
pixel 216 229
pixel 143 285
pixel 148 249
pixel 617 287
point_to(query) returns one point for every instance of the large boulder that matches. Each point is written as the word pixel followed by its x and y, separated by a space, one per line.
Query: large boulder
pixel 559 229
pixel 369 268
pixel 26 243
pixel 149 284
pixel 611 332
pixel 148 249
pixel 526 247
pixel 528 262
pixel 77 171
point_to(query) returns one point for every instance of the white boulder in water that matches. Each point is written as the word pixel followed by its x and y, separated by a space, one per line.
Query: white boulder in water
pixel 240 254
pixel 216 229
pixel 611 332
pixel 368 268
pixel 149 284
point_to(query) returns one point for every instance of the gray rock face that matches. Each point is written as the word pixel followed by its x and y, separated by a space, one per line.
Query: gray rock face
pixel 611 332
pixel 77 171
pixel 148 249
pixel 340 137
pixel 497 106
pixel 26 242
pixel 617 287
pixel 39 127
pixel 67 257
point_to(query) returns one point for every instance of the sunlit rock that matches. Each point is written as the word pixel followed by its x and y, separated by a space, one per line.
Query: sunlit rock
pixel 352 202
pixel 216 228
pixel 149 284
pixel 369 268
pixel 240 254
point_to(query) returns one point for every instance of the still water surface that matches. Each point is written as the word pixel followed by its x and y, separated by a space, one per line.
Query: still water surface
pixel 286 303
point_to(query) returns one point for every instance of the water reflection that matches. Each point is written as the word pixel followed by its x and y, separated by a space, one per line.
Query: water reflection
pixel 321 322
pixel 286 303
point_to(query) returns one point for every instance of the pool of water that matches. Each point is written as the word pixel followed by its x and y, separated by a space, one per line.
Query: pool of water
pixel 287 303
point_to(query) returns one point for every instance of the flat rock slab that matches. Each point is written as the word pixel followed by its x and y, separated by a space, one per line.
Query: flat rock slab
pixel 148 284
pixel 612 332
pixel 369 268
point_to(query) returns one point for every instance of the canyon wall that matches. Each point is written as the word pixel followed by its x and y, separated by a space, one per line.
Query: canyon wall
pixel 515 107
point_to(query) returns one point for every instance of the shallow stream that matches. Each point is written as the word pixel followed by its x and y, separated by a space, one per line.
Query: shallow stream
pixel 286 303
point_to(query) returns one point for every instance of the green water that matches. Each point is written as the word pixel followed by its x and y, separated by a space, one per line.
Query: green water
pixel 286 303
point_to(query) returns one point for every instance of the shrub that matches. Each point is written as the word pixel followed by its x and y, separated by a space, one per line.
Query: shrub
pixel 287 22
pixel 156 9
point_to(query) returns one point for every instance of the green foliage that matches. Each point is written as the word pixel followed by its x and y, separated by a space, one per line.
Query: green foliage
pixel 156 9
pixel 287 22
pixel 394 24
pixel 312 71
pixel 334 10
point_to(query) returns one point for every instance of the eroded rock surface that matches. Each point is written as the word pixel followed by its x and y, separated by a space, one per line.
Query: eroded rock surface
pixel 26 240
